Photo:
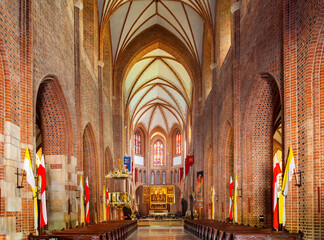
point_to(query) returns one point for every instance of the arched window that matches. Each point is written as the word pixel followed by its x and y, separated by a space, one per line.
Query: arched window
pixel 137 142
pixel 163 177
pixel 140 176
pixel 144 177
pixel 158 153
pixel 178 143
pixel 158 177
pixel 152 177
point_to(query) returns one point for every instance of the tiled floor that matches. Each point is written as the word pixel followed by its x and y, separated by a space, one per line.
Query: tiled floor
pixel 159 232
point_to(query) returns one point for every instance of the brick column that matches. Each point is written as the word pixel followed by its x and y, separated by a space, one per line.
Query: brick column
pixel 101 159
pixel 290 108
pixel 235 10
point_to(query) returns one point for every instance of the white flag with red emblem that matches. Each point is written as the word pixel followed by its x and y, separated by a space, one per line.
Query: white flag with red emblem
pixel 42 173
pixel 231 199
pixel 86 188
pixel 275 186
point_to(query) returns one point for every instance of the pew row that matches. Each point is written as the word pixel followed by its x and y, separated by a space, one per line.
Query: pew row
pixel 214 230
pixel 108 230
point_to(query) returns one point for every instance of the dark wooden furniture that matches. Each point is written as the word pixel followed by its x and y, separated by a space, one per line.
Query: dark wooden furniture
pixel 109 230
pixel 214 230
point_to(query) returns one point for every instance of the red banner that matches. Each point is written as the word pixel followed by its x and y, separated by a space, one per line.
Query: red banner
pixel 189 161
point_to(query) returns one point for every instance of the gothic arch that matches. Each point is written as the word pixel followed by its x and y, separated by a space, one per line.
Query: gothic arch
pixel 140 127
pixel 263 102
pixel 5 87
pixel 108 165
pixel 315 117
pixel 109 160
pixel 227 162
pixel 90 170
pixel 175 129
pixel 54 118
pixel 153 141
pixel 54 125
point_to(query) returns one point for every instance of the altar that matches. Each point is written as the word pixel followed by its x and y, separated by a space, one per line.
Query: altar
pixel 158 197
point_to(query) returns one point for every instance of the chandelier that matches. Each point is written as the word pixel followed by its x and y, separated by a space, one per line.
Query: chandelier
pixel 120 200
pixel 120 172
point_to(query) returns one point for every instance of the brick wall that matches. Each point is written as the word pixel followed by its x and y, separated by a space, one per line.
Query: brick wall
pixel 36 44
pixel 282 39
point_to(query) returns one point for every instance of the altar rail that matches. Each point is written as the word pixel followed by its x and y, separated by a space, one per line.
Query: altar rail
pixel 214 230
pixel 108 230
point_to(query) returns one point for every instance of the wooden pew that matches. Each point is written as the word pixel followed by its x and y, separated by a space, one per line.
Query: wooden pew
pixel 214 230
pixel 108 230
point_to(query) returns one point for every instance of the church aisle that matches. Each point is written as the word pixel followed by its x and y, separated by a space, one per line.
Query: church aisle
pixel 159 232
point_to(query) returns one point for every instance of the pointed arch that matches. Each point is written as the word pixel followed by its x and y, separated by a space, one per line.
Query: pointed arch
pixel 176 140
pixel 263 103
pixel 90 170
pixel 227 166
pixel 54 118
pixel 5 87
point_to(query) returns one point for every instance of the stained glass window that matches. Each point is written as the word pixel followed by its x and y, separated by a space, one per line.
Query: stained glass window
pixel 137 142
pixel 178 143
pixel 158 156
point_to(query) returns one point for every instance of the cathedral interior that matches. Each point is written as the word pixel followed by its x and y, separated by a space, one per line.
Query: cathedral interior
pixel 163 114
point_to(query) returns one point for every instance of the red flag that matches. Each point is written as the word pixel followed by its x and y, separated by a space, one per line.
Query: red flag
pixel 181 174
pixel 133 172
pixel 86 187
pixel 135 175
pixel 188 163
pixel 107 204
pixel 42 173
pixel 211 203
pixel 231 199
pixel 275 185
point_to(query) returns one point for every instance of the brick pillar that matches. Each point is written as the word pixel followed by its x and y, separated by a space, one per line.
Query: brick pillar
pixel 235 10
pixel 101 138
pixel 78 6
pixel 290 106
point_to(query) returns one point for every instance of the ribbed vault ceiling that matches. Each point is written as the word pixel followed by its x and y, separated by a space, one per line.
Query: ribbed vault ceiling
pixel 184 18
pixel 158 92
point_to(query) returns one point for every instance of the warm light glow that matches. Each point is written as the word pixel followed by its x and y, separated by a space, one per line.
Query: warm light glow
pixel 158 153
pixel 137 142
pixel 178 143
